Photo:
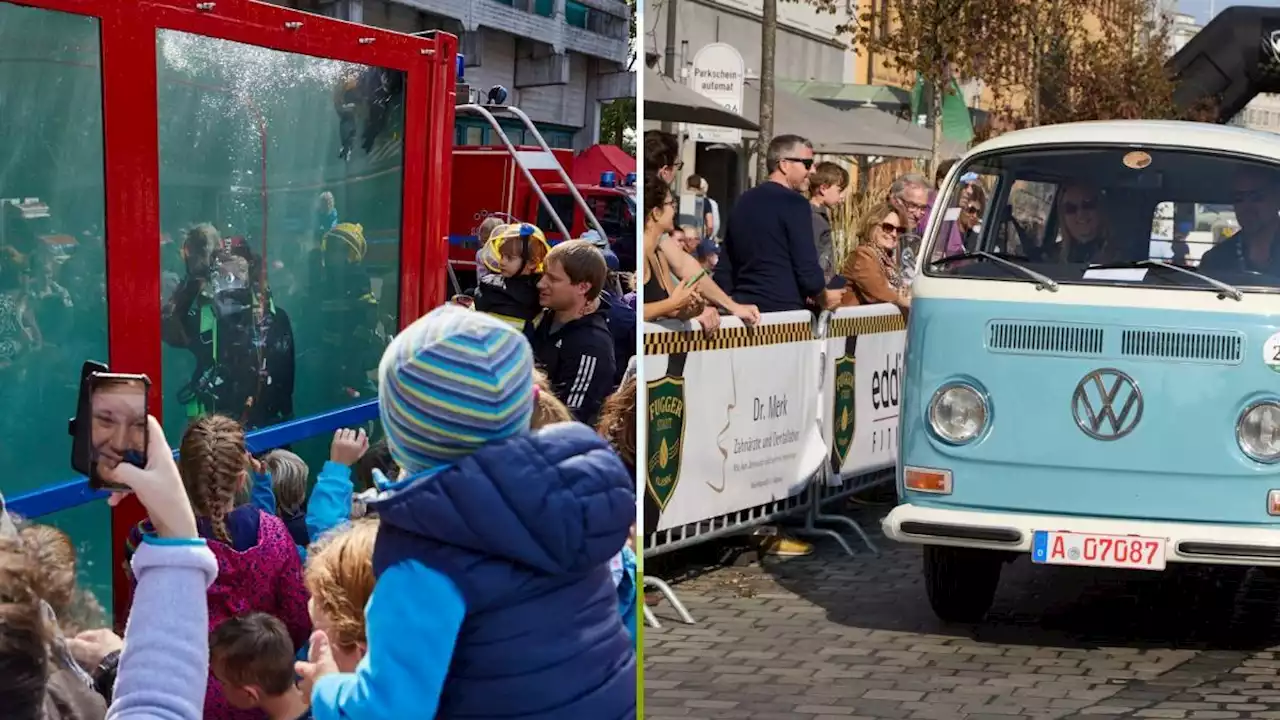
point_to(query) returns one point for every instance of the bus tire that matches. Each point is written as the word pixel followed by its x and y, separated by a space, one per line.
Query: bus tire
pixel 961 582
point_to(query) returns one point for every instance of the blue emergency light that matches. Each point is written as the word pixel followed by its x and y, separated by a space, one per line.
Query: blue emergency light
pixel 631 180
pixel 462 67
pixel 608 178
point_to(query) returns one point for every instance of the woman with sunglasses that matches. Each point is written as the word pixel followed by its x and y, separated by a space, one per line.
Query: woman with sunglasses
pixel 674 282
pixel 973 198
pixel 872 269
pixel 1084 233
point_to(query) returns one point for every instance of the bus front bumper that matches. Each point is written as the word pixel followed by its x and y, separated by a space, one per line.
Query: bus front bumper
pixel 1204 543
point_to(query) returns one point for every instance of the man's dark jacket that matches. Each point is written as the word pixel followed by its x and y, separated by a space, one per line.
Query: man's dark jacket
pixel 768 258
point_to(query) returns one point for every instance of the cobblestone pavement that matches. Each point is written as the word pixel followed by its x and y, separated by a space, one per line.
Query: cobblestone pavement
pixel 829 636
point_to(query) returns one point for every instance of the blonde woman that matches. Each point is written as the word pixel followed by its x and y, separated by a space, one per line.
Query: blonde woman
pixel 1085 235
pixel 872 268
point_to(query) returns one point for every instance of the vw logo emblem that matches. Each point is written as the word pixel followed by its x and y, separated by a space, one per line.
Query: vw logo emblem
pixel 1107 404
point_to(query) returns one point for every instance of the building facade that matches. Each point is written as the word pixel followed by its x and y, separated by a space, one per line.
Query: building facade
pixel 560 60
pixel 808 45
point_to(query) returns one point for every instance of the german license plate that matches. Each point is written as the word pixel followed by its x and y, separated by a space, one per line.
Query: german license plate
pixel 1115 551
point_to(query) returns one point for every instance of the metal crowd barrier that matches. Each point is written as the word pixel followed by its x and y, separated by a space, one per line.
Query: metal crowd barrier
pixel 821 489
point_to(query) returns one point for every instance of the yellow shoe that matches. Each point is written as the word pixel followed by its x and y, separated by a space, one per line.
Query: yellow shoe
pixel 783 546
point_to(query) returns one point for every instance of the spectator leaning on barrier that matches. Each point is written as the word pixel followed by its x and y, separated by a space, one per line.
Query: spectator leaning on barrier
pixel 666 262
pixel 826 190
pixel 873 275
pixel 570 337
pixel 768 258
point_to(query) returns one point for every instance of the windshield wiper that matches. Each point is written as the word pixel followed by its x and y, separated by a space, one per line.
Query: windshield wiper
pixel 1224 289
pixel 1043 282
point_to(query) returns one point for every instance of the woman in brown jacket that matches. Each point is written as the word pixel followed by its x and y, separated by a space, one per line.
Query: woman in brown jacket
pixel 872 268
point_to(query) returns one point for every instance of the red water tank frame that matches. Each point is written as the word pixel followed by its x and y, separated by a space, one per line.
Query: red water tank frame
pixel 129 87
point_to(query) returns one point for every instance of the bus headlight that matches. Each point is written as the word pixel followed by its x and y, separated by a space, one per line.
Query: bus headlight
pixel 958 413
pixel 1258 431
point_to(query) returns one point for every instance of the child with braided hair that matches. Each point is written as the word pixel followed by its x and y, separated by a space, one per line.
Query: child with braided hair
pixel 258 565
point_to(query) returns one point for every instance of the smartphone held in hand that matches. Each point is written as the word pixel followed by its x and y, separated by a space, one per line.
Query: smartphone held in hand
pixel 691 282
pixel 110 426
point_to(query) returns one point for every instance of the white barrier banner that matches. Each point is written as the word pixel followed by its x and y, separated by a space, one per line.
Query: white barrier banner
pixel 731 422
pixel 862 389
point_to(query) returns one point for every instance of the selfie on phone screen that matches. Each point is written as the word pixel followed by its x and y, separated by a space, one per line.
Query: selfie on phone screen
pixel 118 421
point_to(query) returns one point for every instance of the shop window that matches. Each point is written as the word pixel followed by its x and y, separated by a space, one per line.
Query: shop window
pixel 289 211
pixel 53 312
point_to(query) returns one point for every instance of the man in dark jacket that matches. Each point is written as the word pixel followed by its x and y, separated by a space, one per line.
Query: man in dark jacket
pixel 571 339
pixel 768 258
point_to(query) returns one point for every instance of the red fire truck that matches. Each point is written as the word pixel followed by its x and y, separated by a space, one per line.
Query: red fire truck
pixel 488 181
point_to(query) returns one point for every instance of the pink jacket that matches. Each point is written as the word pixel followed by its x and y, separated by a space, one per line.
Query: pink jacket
pixel 265 578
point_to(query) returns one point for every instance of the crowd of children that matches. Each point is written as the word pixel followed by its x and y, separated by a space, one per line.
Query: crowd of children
pixel 486 572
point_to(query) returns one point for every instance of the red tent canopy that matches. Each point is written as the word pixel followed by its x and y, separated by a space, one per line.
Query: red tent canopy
pixel 597 159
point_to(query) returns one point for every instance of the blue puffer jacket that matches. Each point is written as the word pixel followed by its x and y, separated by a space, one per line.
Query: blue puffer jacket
pixel 494 597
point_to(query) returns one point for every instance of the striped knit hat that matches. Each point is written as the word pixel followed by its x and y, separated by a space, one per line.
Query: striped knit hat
pixel 451 382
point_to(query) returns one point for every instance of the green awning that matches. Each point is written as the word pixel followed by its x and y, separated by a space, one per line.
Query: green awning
pixel 843 93
pixel 957 124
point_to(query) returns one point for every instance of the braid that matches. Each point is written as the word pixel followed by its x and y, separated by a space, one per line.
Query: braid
pixel 212 464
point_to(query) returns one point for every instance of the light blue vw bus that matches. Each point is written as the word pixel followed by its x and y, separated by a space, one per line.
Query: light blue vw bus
pixel 1091 379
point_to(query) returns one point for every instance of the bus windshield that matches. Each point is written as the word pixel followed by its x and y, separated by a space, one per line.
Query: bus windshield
pixel 1156 217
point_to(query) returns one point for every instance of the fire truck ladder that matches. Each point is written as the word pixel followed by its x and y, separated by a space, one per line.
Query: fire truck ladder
pixel 546 158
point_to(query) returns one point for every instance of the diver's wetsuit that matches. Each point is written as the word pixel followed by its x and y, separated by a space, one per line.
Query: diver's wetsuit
pixel 244 364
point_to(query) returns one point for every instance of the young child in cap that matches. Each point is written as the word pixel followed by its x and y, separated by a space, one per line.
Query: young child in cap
pixel 494 597
pixel 511 294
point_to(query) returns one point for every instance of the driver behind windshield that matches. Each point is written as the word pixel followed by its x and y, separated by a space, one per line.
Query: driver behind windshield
pixel 1257 203
pixel 1085 236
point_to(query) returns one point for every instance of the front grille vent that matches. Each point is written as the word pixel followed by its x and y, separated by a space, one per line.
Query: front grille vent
pixel 1044 338
pixel 1190 345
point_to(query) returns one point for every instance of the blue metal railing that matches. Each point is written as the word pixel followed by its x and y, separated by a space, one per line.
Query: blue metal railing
pixel 72 493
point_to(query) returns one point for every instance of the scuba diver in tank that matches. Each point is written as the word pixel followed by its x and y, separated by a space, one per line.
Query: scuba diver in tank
pixel 243 345
pixel 349 312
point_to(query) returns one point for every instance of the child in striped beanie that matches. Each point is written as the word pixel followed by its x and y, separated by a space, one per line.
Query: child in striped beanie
pixel 494 596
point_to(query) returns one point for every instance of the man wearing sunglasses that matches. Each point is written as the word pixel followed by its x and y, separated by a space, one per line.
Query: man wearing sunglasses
pixel 768 258
pixel 909 196
pixel 1256 197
